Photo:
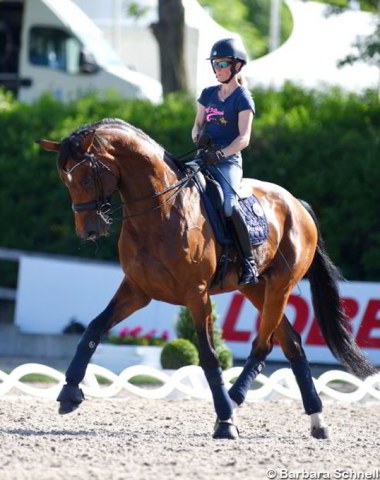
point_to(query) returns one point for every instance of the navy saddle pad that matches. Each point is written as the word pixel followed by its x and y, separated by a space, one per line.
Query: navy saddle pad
pixel 250 207
pixel 255 219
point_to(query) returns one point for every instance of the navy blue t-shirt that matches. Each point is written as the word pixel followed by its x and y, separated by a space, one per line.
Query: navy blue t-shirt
pixel 222 117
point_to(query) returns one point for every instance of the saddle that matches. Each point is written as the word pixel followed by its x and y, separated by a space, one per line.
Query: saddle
pixel 212 196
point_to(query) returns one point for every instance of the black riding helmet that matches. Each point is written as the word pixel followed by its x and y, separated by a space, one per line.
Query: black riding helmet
pixel 229 48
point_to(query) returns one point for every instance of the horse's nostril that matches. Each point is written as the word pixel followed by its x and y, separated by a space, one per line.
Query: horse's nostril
pixel 92 235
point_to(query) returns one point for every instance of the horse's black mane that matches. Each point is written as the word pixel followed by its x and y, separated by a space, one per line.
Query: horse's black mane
pixel 71 145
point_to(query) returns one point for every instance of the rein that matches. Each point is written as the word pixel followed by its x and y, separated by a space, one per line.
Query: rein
pixel 177 187
pixel 102 204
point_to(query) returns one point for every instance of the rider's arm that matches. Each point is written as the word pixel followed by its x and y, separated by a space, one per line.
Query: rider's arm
pixel 242 140
pixel 199 122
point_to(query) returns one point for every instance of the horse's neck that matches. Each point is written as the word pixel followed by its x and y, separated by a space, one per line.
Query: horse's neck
pixel 144 174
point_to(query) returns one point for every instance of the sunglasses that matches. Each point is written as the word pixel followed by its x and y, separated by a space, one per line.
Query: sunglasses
pixel 221 64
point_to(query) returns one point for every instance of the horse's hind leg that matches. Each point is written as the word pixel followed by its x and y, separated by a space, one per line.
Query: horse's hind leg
pixel 270 299
pixel 201 312
pixel 271 303
pixel 126 300
pixel 291 344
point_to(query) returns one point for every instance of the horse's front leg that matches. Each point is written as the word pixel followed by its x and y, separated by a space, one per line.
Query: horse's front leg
pixel 126 300
pixel 201 312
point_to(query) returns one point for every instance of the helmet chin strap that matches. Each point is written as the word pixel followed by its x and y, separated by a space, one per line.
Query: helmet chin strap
pixel 233 72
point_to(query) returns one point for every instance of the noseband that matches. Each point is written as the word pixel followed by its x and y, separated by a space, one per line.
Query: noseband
pixel 102 203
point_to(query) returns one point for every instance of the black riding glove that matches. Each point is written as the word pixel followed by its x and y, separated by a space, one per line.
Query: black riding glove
pixel 212 157
pixel 203 140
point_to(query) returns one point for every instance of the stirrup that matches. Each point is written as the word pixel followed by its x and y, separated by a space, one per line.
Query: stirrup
pixel 249 275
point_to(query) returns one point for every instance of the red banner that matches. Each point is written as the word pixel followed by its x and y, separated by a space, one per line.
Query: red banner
pixel 360 301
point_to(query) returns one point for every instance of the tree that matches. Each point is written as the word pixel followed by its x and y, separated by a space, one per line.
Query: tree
pixel 169 32
pixel 251 19
pixel 367 48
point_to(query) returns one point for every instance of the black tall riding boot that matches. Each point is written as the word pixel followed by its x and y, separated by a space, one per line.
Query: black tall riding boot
pixel 249 274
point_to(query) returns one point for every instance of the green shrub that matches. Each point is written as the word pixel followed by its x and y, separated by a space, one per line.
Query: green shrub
pixel 225 357
pixel 185 329
pixel 179 353
pixel 321 145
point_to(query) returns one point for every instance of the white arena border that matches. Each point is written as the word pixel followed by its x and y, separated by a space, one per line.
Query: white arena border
pixel 186 382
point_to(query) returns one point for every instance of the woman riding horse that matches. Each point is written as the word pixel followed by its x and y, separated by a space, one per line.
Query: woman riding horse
pixel 168 252
pixel 224 116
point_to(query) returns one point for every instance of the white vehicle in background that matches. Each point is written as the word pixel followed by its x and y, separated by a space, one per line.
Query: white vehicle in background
pixel 51 45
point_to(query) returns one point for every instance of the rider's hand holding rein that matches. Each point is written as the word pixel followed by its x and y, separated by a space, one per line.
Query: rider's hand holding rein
pixel 210 156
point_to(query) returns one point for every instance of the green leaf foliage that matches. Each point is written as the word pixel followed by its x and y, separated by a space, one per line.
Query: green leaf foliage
pixel 322 145
pixel 250 18
pixel 185 329
pixel 35 205
pixel 179 353
pixel 368 5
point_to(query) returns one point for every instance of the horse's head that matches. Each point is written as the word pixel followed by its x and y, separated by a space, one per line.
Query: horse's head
pixel 90 177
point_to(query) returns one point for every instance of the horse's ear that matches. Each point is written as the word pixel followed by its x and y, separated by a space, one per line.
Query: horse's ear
pixel 87 141
pixel 49 145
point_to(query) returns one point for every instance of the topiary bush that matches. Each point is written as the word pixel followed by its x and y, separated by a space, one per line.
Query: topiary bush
pixel 179 353
pixel 185 329
pixel 225 357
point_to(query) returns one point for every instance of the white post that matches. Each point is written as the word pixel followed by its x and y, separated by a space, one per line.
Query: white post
pixel 354 5
pixel 274 32
pixel 116 27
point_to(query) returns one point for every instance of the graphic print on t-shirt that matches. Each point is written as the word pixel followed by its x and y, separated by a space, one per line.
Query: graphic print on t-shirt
pixel 216 116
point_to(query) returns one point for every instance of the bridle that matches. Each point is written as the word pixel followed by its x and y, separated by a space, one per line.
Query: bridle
pixel 102 203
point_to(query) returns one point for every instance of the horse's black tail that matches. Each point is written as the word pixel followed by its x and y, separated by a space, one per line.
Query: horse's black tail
pixel 323 276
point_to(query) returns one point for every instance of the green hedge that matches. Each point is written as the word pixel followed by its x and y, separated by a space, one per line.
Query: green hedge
pixel 35 206
pixel 324 146
pixel 321 145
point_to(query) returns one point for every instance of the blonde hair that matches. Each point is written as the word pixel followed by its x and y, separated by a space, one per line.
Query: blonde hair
pixel 241 80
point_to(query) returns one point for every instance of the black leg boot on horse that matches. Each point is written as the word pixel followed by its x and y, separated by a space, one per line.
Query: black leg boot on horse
pixel 249 275
pixel 291 344
pixel 126 300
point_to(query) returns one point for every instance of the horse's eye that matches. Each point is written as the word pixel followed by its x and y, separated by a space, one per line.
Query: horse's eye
pixel 87 181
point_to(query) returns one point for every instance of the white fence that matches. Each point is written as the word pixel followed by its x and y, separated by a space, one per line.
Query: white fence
pixel 190 382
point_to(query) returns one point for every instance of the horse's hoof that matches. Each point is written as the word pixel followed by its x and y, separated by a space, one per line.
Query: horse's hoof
pixel 69 398
pixel 226 430
pixel 67 407
pixel 320 433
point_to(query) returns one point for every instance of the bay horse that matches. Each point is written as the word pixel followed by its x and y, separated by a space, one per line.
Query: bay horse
pixel 168 252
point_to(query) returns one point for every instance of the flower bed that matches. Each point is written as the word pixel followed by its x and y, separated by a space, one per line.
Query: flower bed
pixel 135 336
